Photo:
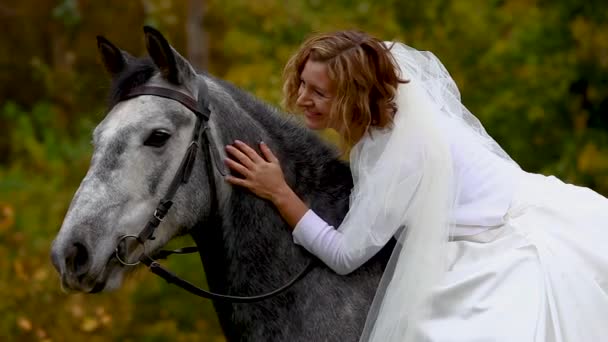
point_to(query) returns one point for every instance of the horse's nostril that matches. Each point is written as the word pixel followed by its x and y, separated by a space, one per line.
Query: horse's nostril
pixel 77 260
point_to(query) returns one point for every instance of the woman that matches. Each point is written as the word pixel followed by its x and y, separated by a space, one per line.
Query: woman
pixel 486 252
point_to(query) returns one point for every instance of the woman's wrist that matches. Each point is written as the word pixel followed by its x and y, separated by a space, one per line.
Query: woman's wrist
pixel 281 195
pixel 291 207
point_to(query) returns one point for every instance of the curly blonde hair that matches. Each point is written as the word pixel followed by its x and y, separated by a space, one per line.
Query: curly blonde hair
pixel 365 77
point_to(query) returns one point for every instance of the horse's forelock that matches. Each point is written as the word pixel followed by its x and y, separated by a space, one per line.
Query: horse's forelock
pixel 138 72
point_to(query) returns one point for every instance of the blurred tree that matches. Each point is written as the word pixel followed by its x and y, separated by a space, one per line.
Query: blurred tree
pixel 197 46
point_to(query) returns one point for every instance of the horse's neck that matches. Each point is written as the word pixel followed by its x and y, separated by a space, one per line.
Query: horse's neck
pixel 248 250
pixel 253 252
pixel 254 243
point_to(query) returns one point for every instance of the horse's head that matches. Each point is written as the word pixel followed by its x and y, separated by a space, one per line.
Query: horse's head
pixel 138 149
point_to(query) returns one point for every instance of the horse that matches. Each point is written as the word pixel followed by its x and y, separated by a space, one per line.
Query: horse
pixel 244 245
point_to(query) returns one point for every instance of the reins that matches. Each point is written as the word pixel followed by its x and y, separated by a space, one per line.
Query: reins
pixel 201 131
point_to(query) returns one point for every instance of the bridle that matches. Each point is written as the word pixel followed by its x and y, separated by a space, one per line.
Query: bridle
pixel 201 131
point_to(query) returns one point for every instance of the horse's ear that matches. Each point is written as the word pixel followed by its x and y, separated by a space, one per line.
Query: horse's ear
pixel 173 67
pixel 111 56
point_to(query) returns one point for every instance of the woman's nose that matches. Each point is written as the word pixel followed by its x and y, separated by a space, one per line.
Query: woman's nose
pixel 303 99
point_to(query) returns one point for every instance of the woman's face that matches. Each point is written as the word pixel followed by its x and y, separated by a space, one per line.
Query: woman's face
pixel 315 94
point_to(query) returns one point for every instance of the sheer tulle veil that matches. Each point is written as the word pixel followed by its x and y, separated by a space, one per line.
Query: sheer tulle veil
pixel 405 187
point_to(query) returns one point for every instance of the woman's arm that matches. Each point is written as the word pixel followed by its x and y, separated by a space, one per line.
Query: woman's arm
pixel 291 207
pixel 264 177
pixel 328 244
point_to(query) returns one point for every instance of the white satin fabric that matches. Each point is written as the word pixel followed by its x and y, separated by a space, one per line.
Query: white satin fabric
pixel 542 276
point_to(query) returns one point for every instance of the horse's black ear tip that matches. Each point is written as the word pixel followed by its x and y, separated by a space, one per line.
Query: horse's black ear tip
pixel 101 40
pixel 104 45
pixel 150 30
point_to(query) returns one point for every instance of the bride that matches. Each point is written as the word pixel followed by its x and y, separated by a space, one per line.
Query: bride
pixel 485 252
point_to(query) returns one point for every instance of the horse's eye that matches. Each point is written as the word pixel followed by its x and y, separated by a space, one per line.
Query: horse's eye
pixel 158 138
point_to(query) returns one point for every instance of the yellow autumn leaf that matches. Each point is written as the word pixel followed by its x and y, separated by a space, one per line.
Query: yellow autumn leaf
pixel 89 324
pixel 592 160
pixel 76 310
pixel 105 320
pixel 20 270
pixel 41 274
pixel 41 334
pixel 24 324
pixel 7 217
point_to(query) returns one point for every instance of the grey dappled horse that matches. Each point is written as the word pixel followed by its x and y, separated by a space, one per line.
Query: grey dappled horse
pixel 245 246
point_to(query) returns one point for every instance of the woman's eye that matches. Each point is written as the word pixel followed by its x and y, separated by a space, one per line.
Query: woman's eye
pixel 157 139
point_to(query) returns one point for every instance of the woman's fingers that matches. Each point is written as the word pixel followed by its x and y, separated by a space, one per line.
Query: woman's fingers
pixel 237 181
pixel 240 156
pixel 262 174
pixel 268 153
pixel 251 153
pixel 237 167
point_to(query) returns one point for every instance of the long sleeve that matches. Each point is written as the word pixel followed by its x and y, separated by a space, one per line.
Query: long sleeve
pixel 328 244
pixel 384 186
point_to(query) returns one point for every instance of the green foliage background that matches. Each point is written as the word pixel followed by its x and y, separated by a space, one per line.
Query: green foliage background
pixel 534 72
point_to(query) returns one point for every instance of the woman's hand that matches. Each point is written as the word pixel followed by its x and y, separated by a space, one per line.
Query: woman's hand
pixel 263 176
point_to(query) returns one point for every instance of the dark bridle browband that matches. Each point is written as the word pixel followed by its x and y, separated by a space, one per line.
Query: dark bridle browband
pixel 201 130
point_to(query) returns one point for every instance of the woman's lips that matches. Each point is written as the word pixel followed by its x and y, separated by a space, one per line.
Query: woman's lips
pixel 311 114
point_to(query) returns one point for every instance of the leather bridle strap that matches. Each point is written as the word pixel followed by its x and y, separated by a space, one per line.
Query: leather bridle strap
pixel 174 95
pixel 185 169
pixel 172 278
pixel 201 109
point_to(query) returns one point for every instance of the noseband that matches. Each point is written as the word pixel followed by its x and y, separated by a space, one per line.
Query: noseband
pixel 201 130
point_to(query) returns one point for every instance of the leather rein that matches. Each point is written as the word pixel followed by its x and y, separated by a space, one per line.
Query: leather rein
pixel 201 131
